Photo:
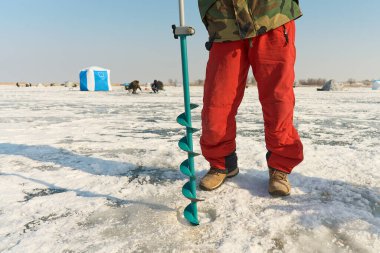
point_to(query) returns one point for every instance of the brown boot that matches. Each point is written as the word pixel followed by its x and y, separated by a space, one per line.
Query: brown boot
pixel 279 184
pixel 216 177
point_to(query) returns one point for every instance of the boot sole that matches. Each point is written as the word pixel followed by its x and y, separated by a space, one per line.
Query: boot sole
pixel 229 175
pixel 279 193
pixel 233 173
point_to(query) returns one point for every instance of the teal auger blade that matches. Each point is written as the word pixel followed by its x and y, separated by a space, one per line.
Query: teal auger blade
pixel 184 145
pixel 185 169
pixel 193 130
pixel 186 191
pixel 181 119
pixel 193 106
pixel 193 154
pixel 189 215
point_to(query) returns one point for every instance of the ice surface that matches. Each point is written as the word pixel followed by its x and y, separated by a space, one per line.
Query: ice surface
pixel 98 172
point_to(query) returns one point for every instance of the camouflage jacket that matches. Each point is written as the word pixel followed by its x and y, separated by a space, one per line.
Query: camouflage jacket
pixel 229 20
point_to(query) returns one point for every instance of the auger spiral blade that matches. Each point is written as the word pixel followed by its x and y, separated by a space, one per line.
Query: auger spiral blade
pixel 182 118
pixel 184 145
pixel 185 169
pixel 193 106
pixel 190 215
pixel 187 192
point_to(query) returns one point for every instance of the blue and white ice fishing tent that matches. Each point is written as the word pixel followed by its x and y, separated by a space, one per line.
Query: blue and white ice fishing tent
pixel 95 79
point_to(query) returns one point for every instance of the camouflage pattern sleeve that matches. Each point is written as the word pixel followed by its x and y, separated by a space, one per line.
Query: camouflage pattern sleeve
pixel 229 20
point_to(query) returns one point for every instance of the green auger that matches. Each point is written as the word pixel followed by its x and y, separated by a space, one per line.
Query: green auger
pixel 184 119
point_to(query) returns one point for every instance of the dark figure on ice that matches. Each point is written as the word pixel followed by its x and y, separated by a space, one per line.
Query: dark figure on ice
pixel 246 34
pixel 133 86
pixel 156 86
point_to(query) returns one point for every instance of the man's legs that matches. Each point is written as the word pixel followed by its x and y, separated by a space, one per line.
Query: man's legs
pixel 272 56
pixel 226 77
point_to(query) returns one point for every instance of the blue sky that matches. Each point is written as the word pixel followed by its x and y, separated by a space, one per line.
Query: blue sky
pixel 51 40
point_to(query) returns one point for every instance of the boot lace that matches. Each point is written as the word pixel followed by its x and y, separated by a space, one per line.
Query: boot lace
pixel 214 171
pixel 276 174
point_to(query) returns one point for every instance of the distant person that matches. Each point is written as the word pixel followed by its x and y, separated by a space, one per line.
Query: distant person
pixel 246 34
pixel 134 86
pixel 156 86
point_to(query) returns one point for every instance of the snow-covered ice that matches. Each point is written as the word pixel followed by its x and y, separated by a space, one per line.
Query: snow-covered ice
pixel 98 172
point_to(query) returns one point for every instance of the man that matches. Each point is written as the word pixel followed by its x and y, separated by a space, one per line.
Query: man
pixel 243 34
pixel 154 86
pixel 133 86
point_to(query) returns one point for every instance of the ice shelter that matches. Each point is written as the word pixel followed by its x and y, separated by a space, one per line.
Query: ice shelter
pixel 376 85
pixel 95 79
pixel 331 85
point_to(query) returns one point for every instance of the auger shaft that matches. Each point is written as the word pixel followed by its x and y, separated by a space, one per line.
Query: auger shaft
pixel 189 134
pixel 186 144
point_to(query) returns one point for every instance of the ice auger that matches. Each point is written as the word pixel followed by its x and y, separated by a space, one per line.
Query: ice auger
pixel 184 119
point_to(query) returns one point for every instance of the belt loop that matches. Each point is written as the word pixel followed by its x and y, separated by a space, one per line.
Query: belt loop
pixel 250 42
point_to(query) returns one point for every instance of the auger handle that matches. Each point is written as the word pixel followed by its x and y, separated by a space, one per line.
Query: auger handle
pixel 181 12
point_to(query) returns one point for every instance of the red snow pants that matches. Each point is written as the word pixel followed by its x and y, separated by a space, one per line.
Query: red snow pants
pixel 272 57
